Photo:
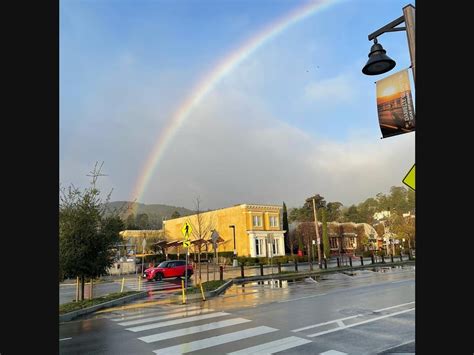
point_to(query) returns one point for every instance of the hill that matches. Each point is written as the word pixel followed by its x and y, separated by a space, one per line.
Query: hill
pixel 156 212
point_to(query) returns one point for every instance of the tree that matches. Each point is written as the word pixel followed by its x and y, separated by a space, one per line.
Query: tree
pixel 143 221
pixel 326 246
pixel 130 222
pixel 175 215
pixel 293 239
pixel 366 211
pixel 352 214
pixel 306 233
pixel 201 228
pixel 87 231
pixel 286 229
pixel 403 228
pixel 305 213
pixel 334 213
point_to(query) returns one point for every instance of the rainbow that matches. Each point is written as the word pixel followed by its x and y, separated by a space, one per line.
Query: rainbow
pixel 223 68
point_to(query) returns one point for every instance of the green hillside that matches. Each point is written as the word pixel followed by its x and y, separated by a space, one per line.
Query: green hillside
pixel 156 212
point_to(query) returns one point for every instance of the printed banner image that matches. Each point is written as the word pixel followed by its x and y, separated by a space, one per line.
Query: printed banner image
pixel 395 104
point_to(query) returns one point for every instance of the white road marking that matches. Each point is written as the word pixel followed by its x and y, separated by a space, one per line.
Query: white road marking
pixel 325 323
pixel 398 305
pixel 193 330
pixel 168 316
pixel 176 321
pixel 214 341
pixel 398 345
pixel 359 323
pixel 153 313
pixel 301 298
pixel 332 352
pixel 273 346
pixel 64 339
pixel 396 282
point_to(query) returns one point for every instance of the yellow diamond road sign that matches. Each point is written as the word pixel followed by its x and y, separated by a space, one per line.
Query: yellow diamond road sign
pixel 186 230
pixel 409 179
pixel 186 243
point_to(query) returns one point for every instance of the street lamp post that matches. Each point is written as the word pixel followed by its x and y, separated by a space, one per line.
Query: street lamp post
pixel 379 62
pixel 234 262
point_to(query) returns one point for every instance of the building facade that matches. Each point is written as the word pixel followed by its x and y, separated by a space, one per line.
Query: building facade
pixel 257 229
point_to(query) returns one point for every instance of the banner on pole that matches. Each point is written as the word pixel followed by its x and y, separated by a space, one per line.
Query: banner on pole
pixel 395 104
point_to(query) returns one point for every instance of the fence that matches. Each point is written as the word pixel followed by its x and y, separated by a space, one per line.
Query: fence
pixel 210 272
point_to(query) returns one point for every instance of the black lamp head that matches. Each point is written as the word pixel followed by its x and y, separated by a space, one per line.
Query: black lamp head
pixel 378 62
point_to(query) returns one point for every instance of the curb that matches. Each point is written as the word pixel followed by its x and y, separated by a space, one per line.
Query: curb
pixel 240 280
pixel 208 294
pixel 74 314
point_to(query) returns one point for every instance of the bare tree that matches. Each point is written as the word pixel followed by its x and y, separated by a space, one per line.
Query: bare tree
pixel 202 226
pixel 307 233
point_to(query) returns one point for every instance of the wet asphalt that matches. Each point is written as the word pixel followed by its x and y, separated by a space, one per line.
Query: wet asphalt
pixel 366 312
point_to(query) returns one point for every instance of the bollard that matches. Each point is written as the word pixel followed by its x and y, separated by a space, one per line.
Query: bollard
pixel 350 261
pixel 182 288
pixel 372 258
pixel 202 291
pixel 279 268
pixel 362 260
pixel 123 281
pixel 338 264
pixel 261 269
pixel 77 289
pixel 296 265
pixel 242 270
pixel 221 273
pixel 401 257
pixel 325 263
pixel 139 283
pixel 391 258
pixel 383 261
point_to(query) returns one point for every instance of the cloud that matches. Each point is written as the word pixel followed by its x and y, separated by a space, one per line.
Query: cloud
pixel 336 89
pixel 232 151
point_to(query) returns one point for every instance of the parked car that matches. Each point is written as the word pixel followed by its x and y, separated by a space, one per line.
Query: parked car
pixel 167 269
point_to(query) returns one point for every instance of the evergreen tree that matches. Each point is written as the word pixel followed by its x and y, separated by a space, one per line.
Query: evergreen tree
pixel 87 233
pixel 286 229
pixel 326 245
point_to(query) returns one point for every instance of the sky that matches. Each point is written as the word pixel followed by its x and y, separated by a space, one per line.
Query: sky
pixel 292 118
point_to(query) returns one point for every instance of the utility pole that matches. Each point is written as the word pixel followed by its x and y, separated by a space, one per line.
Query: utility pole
pixel 317 233
pixel 409 16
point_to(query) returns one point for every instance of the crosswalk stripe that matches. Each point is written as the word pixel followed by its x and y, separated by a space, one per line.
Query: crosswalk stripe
pixel 153 313
pixel 176 321
pixel 398 305
pixel 193 330
pixel 273 346
pixel 325 323
pixel 214 341
pixel 360 323
pixel 168 316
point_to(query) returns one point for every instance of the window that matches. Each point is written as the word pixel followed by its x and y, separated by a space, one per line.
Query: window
pixel 275 246
pixel 259 247
pixel 273 221
pixel 257 221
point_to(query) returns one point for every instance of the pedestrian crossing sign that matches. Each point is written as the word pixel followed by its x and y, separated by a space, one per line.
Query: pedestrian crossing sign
pixel 186 230
pixel 186 243
pixel 409 179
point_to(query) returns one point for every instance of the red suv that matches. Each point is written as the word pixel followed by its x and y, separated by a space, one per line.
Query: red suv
pixel 174 268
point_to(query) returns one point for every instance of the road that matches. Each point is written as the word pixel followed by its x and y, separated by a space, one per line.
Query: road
pixel 67 290
pixel 367 313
